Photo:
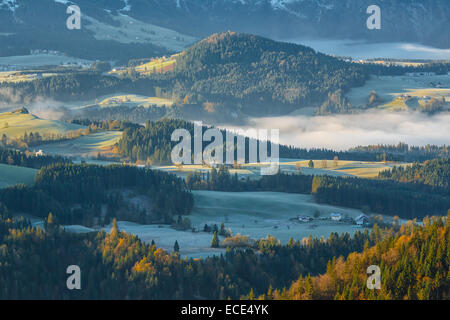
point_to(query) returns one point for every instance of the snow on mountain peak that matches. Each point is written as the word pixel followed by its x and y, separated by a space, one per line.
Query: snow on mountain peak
pixel 9 5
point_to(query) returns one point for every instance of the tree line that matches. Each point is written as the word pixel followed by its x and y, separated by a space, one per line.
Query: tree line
pixel 153 144
pixel 433 172
pixel 77 193
pixel 406 200
pixel 414 262
pixel 28 159
pixel 414 265
pixel 120 266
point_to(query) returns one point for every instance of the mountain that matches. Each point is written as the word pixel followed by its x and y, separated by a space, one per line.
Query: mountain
pixel 164 26
pixel 402 20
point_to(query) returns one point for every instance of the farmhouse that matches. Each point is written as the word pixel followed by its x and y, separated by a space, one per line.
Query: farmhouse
pixel 420 74
pixel 304 219
pixel 40 153
pixel 335 216
pixel 362 220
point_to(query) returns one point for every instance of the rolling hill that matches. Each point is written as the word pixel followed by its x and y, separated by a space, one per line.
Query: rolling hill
pixel 17 123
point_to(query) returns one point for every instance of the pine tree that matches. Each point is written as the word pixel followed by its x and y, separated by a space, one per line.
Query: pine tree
pixel 176 247
pixel 215 240
pixel 251 295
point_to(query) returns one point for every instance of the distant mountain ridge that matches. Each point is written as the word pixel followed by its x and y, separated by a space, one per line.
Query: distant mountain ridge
pixel 402 20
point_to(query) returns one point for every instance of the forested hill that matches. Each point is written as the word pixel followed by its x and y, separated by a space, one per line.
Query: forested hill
pixel 414 265
pixel 265 76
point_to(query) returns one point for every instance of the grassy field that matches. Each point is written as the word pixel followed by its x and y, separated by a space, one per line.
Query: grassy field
pixel 15 124
pixel 85 146
pixel 40 60
pixel 122 99
pixel 255 214
pixel 133 100
pixel 160 65
pixel 13 76
pixel 157 65
pixel 362 169
pixel 390 87
pixel 12 175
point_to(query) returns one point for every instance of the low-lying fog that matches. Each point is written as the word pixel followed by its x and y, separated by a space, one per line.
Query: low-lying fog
pixel 366 50
pixel 341 132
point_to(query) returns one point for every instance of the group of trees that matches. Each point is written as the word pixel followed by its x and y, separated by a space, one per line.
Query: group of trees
pixel 137 114
pixel 28 159
pixel 120 266
pixel 433 172
pixel 399 70
pixel 414 264
pixel 336 103
pixel 153 144
pixel 106 124
pixel 433 105
pixel 402 152
pixel 74 86
pixel 387 197
pixel 405 200
pixel 76 194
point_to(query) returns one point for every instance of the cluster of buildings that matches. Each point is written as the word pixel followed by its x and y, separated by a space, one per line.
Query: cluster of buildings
pixel 117 100
pixel 11 67
pixel 45 51
pixel 420 74
pixel 361 220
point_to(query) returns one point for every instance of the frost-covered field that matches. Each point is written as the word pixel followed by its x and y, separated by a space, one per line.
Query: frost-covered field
pixel 255 214
pixel 37 60
pixel 194 245
pixel 12 175
pixel 258 214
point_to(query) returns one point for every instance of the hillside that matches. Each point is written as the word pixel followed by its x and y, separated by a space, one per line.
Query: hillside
pixel 261 75
pixel 17 123
pixel 414 265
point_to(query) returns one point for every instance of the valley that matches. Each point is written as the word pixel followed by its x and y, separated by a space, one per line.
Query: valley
pixel 392 89
pixel 113 138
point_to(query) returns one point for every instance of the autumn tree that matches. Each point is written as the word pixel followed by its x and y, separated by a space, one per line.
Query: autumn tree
pixel 336 161
pixel 115 229
pixel 215 240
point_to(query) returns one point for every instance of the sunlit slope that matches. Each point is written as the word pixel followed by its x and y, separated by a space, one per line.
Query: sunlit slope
pixel 85 146
pixel 15 124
